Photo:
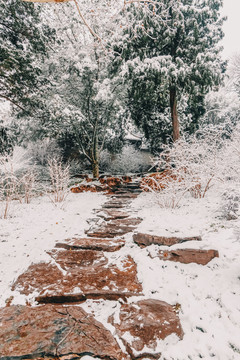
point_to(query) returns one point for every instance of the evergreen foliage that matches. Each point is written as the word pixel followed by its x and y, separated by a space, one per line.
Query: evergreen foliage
pixel 24 39
pixel 169 57
pixel 81 109
pixel 86 114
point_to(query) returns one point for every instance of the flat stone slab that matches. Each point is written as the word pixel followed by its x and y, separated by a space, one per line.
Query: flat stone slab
pixel 125 195
pixel 113 215
pixel 114 228
pixel 128 221
pixel 131 185
pixel 71 260
pixel 110 231
pixel 74 276
pixel 54 332
pixel 142 324
pixel 146 239
pixel 115 204
pixel 91 244
pixel 186 256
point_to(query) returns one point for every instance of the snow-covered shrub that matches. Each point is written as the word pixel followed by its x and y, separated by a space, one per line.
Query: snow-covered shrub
pixel 9 186
pixel 168 186
pixel 60 178
pixel 230 207
pixel 105 160
pixel 193 164
pixel 28 185
pixel 231 156
pixel 17 179
pixel 129 160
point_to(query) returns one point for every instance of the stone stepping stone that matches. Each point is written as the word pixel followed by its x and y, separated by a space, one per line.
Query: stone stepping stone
pixel 131 186
pixel 120 192
pixel 126 195
pixel 54 332
pixel 142 324
pixel 74 276
pixel 186 256
pixel 127 221
pixel 120 201
pixel 146 239
pixel 127 191
pixel 114 228
pixel 110 231
pixel 71 260
pixel 115 204
pixel 91 244
pixel 113 215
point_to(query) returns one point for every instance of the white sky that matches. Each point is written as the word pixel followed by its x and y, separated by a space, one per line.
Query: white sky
pixel 231 28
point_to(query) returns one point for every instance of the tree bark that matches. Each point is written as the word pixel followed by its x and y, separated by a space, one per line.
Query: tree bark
pixel 174 113
pixel 95 155
pixel 95 169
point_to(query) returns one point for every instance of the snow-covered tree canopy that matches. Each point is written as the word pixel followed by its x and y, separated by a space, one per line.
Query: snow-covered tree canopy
pixel 170 49
pixel 24 40
pixel 79 105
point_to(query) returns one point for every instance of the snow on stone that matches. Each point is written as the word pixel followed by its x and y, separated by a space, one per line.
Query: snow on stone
pixel 33 228
pixel 209 296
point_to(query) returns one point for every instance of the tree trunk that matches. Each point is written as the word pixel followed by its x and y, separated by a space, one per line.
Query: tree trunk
pixel 95 169
pixel 174 114
pixel 95 156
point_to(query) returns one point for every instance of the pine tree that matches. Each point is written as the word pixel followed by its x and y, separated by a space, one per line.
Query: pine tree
pixel 170 53
pixel 24 40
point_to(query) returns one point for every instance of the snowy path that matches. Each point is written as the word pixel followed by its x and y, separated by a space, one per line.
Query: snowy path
pixel 209 296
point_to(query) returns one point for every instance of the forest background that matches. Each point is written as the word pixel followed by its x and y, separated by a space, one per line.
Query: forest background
pixel 106 82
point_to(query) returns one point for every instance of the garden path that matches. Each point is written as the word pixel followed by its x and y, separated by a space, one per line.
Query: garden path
pixel 83 268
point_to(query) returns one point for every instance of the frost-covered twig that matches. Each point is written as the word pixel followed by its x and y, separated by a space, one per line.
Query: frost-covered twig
pixel 60 178
pixel 191 165
pixel 17 179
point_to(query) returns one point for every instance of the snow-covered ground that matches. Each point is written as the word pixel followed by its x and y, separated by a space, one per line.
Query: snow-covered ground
pixel 209 295
pixel 30 229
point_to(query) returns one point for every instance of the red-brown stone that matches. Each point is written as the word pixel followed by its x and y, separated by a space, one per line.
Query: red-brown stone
pixel 91 244
pixel 113 215
pixel 159 180
pixel 114 228
pixel 110 181
pixel 73 279
pixel 54 332
pixel 70 260
pixel 114 201
pixel 128 222
pixel 146 321
pixel 186 256
pixel 127 179
pixel 117 227
pixel 88 187
pixel 125 195
pixel 147 239
pixel 114 205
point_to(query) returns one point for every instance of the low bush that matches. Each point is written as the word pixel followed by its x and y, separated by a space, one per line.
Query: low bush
pixel 189 166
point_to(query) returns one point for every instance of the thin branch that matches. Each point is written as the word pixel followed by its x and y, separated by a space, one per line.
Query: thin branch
pixel 13 102
pixel 86 24
pixel 84 151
